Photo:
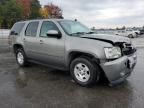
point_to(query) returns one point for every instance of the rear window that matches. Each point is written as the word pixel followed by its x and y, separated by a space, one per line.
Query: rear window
pixel 32 29
pixel 17 28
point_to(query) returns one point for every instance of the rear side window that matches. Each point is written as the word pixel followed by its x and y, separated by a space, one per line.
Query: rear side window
pixel 32 29
pixel 17 28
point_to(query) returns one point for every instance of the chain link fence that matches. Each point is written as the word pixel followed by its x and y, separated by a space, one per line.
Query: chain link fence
pixel 4 40
pixel 4 35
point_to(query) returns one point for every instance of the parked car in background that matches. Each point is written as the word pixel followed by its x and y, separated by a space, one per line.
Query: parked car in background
pixel 127 33
pixel 136 31
pixel 141 31
pixel 71 46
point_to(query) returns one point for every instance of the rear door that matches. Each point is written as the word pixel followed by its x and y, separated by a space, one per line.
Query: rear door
pixel 30 40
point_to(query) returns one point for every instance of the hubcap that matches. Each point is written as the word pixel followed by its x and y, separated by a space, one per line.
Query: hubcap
pixel 82 72
pixel 20 58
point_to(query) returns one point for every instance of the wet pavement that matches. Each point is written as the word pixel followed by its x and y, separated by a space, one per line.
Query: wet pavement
pixel 138 42
pixel 41 87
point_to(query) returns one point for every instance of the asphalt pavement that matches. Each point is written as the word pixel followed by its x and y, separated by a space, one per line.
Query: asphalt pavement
pixel 42 87
pixel 138 42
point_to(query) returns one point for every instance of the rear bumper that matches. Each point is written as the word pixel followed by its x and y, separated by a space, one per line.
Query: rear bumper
pixel 118 70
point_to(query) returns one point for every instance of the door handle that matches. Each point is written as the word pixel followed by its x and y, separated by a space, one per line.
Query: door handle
pixel 24 39
pixel 41 42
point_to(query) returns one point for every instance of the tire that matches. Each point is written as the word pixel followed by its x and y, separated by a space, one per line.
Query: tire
pixel 136 33
pixel 21 57
pixel 84 71
pixel 130 36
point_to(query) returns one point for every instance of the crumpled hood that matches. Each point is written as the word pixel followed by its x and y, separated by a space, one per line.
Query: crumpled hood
pixel 107 38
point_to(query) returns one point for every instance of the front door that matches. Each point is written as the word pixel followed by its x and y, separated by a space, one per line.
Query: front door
pixel 51 48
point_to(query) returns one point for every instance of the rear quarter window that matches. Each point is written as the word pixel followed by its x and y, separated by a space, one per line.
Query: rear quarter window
pixel 17 28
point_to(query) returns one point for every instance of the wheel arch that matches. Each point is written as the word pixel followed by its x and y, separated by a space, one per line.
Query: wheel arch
pixel 17 46
pixel 75 54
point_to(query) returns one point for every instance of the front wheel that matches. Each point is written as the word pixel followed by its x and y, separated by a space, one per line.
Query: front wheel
pixel 84 71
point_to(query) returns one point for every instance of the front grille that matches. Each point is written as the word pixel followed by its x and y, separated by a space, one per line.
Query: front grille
pixel 128 49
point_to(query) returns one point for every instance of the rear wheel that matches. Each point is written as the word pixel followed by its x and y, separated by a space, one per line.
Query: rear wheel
pixel 84 71
pixel 21 57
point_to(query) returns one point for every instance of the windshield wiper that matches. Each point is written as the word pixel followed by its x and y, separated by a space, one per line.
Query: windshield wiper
pixel 81 33
pixel 91 32
pixel 78 33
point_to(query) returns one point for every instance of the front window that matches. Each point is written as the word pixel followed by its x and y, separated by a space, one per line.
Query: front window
pixel 74 27
pixel 46 26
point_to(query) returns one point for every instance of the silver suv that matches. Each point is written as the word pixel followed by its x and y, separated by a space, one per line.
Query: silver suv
pixel 69 45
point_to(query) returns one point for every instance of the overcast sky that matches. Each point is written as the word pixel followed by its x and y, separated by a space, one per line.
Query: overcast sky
pixel 102 13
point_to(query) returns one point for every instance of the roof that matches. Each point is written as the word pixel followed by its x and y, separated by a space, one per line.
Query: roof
pixel 44 20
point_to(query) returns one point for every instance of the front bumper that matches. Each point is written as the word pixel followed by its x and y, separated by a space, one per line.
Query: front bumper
pixel 118 70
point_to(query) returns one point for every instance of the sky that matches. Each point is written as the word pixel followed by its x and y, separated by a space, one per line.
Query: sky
pixel 102 13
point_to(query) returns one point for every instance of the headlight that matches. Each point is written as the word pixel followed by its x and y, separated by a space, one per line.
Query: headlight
pixel 112 52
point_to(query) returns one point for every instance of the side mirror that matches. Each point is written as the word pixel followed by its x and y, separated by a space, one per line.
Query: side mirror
pixel 54 33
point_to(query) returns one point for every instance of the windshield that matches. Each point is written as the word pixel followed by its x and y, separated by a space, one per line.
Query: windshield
pixel 74 27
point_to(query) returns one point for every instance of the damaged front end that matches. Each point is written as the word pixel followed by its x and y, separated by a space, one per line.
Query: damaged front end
pixel 119 69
